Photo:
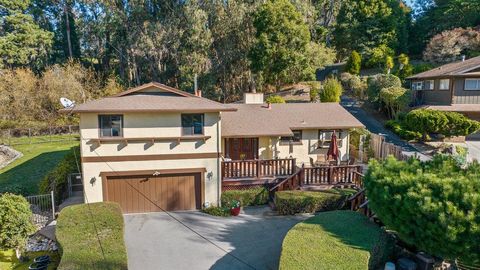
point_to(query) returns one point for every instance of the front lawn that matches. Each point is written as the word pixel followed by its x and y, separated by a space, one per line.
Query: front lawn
pixel 335 240
pixel 8 260
pixel 23 175
pixel 91 237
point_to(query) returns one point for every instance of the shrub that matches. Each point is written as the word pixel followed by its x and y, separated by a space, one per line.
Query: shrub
pixel 388 64
pixel 275 99
pixel 15 222
pixel 354 63
pixel 432 205
pixel 448 124
pixel 335 240
pixel 79 238
pixel 376 83
pixel 332 90
pixel 217 211
pixel 247 197
pixel 378 55
pixel 397 127
pixel 56 180
pixel 292 202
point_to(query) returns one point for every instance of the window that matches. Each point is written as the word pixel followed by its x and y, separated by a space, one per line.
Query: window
pixel 417 85
pixel 325 137
pixel 428 85
pixel 110 125
pixel 296 138
pixel 444 84
pixel 472 84
pixel 192 124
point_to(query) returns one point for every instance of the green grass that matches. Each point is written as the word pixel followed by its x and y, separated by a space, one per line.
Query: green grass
pixel 82 245
pixel 334 240
pixel 24 174
pixel 8 260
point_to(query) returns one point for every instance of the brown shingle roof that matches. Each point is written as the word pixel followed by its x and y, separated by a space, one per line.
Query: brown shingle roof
pixel 455 107
pixel 451 69
pixel 257 120
pixel 135 100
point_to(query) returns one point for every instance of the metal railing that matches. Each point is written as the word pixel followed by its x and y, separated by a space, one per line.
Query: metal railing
pixel 43 208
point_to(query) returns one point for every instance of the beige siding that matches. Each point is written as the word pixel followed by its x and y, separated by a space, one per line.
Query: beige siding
pixel 149 125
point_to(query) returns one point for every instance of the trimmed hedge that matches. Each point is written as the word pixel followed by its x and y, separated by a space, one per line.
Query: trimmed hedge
pixel 296 201
pixel 217 211
pixel 247 197
pixel 79 238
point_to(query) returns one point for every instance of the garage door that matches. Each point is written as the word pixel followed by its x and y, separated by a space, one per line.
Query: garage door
pixel 140 194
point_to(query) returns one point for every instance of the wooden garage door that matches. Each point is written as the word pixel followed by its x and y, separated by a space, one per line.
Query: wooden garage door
pixel 140 194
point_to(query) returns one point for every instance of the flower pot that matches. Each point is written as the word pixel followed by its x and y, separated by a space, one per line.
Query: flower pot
pixel 235 211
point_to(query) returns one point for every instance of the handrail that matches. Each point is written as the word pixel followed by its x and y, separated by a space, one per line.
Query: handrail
pixel 281 183
pixel 356 195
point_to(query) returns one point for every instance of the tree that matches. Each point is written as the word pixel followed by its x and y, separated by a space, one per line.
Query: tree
pixel 431 205
pixel 282 39
pixel 364 25
pixel 332 90
pixel 15 222
pixel 377 83
pixel 275 99
pixel 394 99
pixel 389 64
pixel 449 45
pixel 354 63
pixel 22 42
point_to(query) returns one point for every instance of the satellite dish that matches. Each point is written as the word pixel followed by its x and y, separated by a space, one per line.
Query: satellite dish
pixel 67 103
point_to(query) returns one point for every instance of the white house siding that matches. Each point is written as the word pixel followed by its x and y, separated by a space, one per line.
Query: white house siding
pixel 143 125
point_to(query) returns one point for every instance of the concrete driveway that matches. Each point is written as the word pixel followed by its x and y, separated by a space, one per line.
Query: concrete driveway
pixel 473 150
pixel 254 240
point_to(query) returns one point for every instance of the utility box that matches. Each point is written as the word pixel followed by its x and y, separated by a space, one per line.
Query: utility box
pixel 424 261
pixel 406 264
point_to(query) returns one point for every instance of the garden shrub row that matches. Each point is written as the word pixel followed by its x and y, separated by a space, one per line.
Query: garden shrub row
pixel 247 197
pixel 81 229
pixel 422 123
pixel 296 201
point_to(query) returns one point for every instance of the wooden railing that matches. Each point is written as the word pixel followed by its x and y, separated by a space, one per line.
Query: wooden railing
pixel 293 182
pixel 257 168
pixel 359 203
pixel 333 175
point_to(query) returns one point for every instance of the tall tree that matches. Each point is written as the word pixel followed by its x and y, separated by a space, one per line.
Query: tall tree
pixel 22 42
pixel 364 25
pixel 279 54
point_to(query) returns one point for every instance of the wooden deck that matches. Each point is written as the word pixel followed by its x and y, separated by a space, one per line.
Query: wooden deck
pixel 242 174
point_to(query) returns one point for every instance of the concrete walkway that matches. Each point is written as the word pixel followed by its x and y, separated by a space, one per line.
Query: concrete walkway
pixel 157 241
pixel 473 150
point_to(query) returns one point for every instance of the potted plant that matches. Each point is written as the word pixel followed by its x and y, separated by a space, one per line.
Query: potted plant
pixel 235 208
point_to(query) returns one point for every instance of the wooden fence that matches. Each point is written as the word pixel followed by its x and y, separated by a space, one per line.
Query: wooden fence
pixel 332 175
pixel 382 149
pixel 20 136
pixel 238 169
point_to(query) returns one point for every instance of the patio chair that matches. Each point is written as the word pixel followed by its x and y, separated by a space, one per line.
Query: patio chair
pixel 312 163
pixel 321 159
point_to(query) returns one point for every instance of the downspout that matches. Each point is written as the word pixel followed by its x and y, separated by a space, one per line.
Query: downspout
pixel 219 180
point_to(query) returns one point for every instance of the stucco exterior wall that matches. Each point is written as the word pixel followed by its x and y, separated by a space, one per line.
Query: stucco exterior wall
pixel 273 148
pixel 142 125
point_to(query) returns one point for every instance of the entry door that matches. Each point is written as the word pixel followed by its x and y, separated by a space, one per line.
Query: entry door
pixel 241 148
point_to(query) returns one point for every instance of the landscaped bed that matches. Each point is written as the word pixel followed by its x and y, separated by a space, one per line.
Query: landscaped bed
pixel 297 201
pixel 91 237
pixel 335 240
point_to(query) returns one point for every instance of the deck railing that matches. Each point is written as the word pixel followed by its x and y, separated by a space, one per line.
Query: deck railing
pixel 254 169
pixel 333 175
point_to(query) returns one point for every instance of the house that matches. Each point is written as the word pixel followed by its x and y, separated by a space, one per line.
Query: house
pixel 154 147
pixel 451 87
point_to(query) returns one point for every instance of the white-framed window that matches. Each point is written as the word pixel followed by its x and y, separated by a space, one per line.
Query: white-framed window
pixel 417 85
pixel 428 85
pixel 444 84
pixel 325 137
pixel 472 84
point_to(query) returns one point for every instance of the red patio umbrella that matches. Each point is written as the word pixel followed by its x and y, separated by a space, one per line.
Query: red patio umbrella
pixel 333 148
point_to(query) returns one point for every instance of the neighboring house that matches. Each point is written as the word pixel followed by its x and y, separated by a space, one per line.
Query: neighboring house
pixel 451 87
pixel 156 148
